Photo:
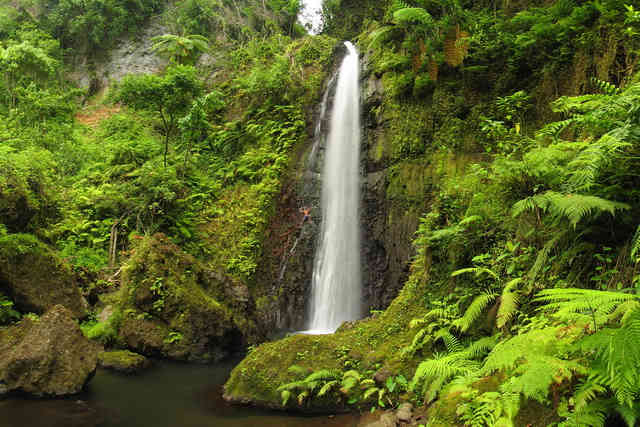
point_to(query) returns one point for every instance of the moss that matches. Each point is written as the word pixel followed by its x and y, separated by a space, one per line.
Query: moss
pixel 366 345
pixel 35 277
pixel 173 306
pixel 123 361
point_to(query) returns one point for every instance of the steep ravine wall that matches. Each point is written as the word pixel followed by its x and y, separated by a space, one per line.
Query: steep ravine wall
pixel 392 203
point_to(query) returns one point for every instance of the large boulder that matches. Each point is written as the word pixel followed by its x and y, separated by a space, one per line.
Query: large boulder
pixel 173 307
pixel 35 278
pixel 46 357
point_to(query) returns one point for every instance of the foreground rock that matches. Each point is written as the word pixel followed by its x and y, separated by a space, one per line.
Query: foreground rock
pixel 174 308
pixel 123 361
pixel 36 279
pixel 46 357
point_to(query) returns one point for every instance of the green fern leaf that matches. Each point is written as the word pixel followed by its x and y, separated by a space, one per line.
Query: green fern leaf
pixel 327 387
pixel 473 312
pixel 635 246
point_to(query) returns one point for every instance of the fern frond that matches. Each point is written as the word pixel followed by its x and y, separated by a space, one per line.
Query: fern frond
pixel 369 392
pixel 596 304
pixel 480 348
pixel 509 302
pixel 295 385
pixel 302 396
pixel 413 15
pixel 555 128
pixel 508 354
pixel 586 392
pixel 477 272
pixel 605 87
pixel 631 416
pixel 543 256
pixel 635 246
pixel 323 375
pixel 327 387
pixel 618 359
pixel 419 340
pixel 473 312
pixel 572 207
pixel 380 35
pixel 285 395
pixel 451 342
pixel 593 414
pixel 588 164
pixel 539 372
pixel 348 383
pixel 352 373
pixel 298 370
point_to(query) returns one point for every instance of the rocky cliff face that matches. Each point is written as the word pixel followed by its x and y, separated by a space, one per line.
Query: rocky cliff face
pixel 392 202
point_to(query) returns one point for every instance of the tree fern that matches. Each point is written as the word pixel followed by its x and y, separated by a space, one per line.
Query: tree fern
pixel 572 304
pixel 571 207
pixel 617 362
pixel 590 161
pixel 432 374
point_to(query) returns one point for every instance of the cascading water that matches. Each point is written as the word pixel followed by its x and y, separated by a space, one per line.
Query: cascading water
pixel 336 283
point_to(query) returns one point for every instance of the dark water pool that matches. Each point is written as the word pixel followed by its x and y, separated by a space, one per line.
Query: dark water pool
pixel 168 395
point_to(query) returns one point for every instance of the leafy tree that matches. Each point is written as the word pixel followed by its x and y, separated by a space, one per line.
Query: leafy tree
pixel 181 49
pixel 169 96
pixel 23 62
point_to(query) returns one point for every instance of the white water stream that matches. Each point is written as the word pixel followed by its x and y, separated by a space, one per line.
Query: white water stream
pixel 336 282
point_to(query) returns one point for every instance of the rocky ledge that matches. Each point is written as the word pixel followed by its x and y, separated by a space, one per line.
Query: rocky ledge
pixel 123 361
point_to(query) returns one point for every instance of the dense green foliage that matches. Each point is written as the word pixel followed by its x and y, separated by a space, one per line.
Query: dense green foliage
pixel 523 290
pixel 521 120
pixel 199 160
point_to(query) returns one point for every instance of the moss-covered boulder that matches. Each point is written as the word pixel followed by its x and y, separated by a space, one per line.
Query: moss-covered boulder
pixel 46 357
pixel 366 346
pixel 123 361
pixel 35 277
pixel 173 307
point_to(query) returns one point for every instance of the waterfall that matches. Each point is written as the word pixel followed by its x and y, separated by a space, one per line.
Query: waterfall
pixel 336 283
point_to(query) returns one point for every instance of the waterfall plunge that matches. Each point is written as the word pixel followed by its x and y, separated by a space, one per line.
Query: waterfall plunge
pixel 336 283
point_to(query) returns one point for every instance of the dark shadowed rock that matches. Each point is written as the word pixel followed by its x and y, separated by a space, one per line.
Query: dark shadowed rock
pixel 380 419
pixel 36 279
pixel 381 375
pixel 46 357
pixel 123 361
pixel 405 412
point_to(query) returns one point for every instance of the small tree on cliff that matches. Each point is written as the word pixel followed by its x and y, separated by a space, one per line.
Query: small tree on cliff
pixel 169 96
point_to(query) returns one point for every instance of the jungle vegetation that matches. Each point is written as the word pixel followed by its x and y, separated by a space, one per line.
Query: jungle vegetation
pixel 521 304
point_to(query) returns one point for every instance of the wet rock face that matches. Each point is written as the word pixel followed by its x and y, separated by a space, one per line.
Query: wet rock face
pixel 37 280
pixel 389 217
pixel 46 357
pixel 392 200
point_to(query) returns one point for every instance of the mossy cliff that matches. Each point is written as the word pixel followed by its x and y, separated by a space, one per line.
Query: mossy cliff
pixel 466 154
